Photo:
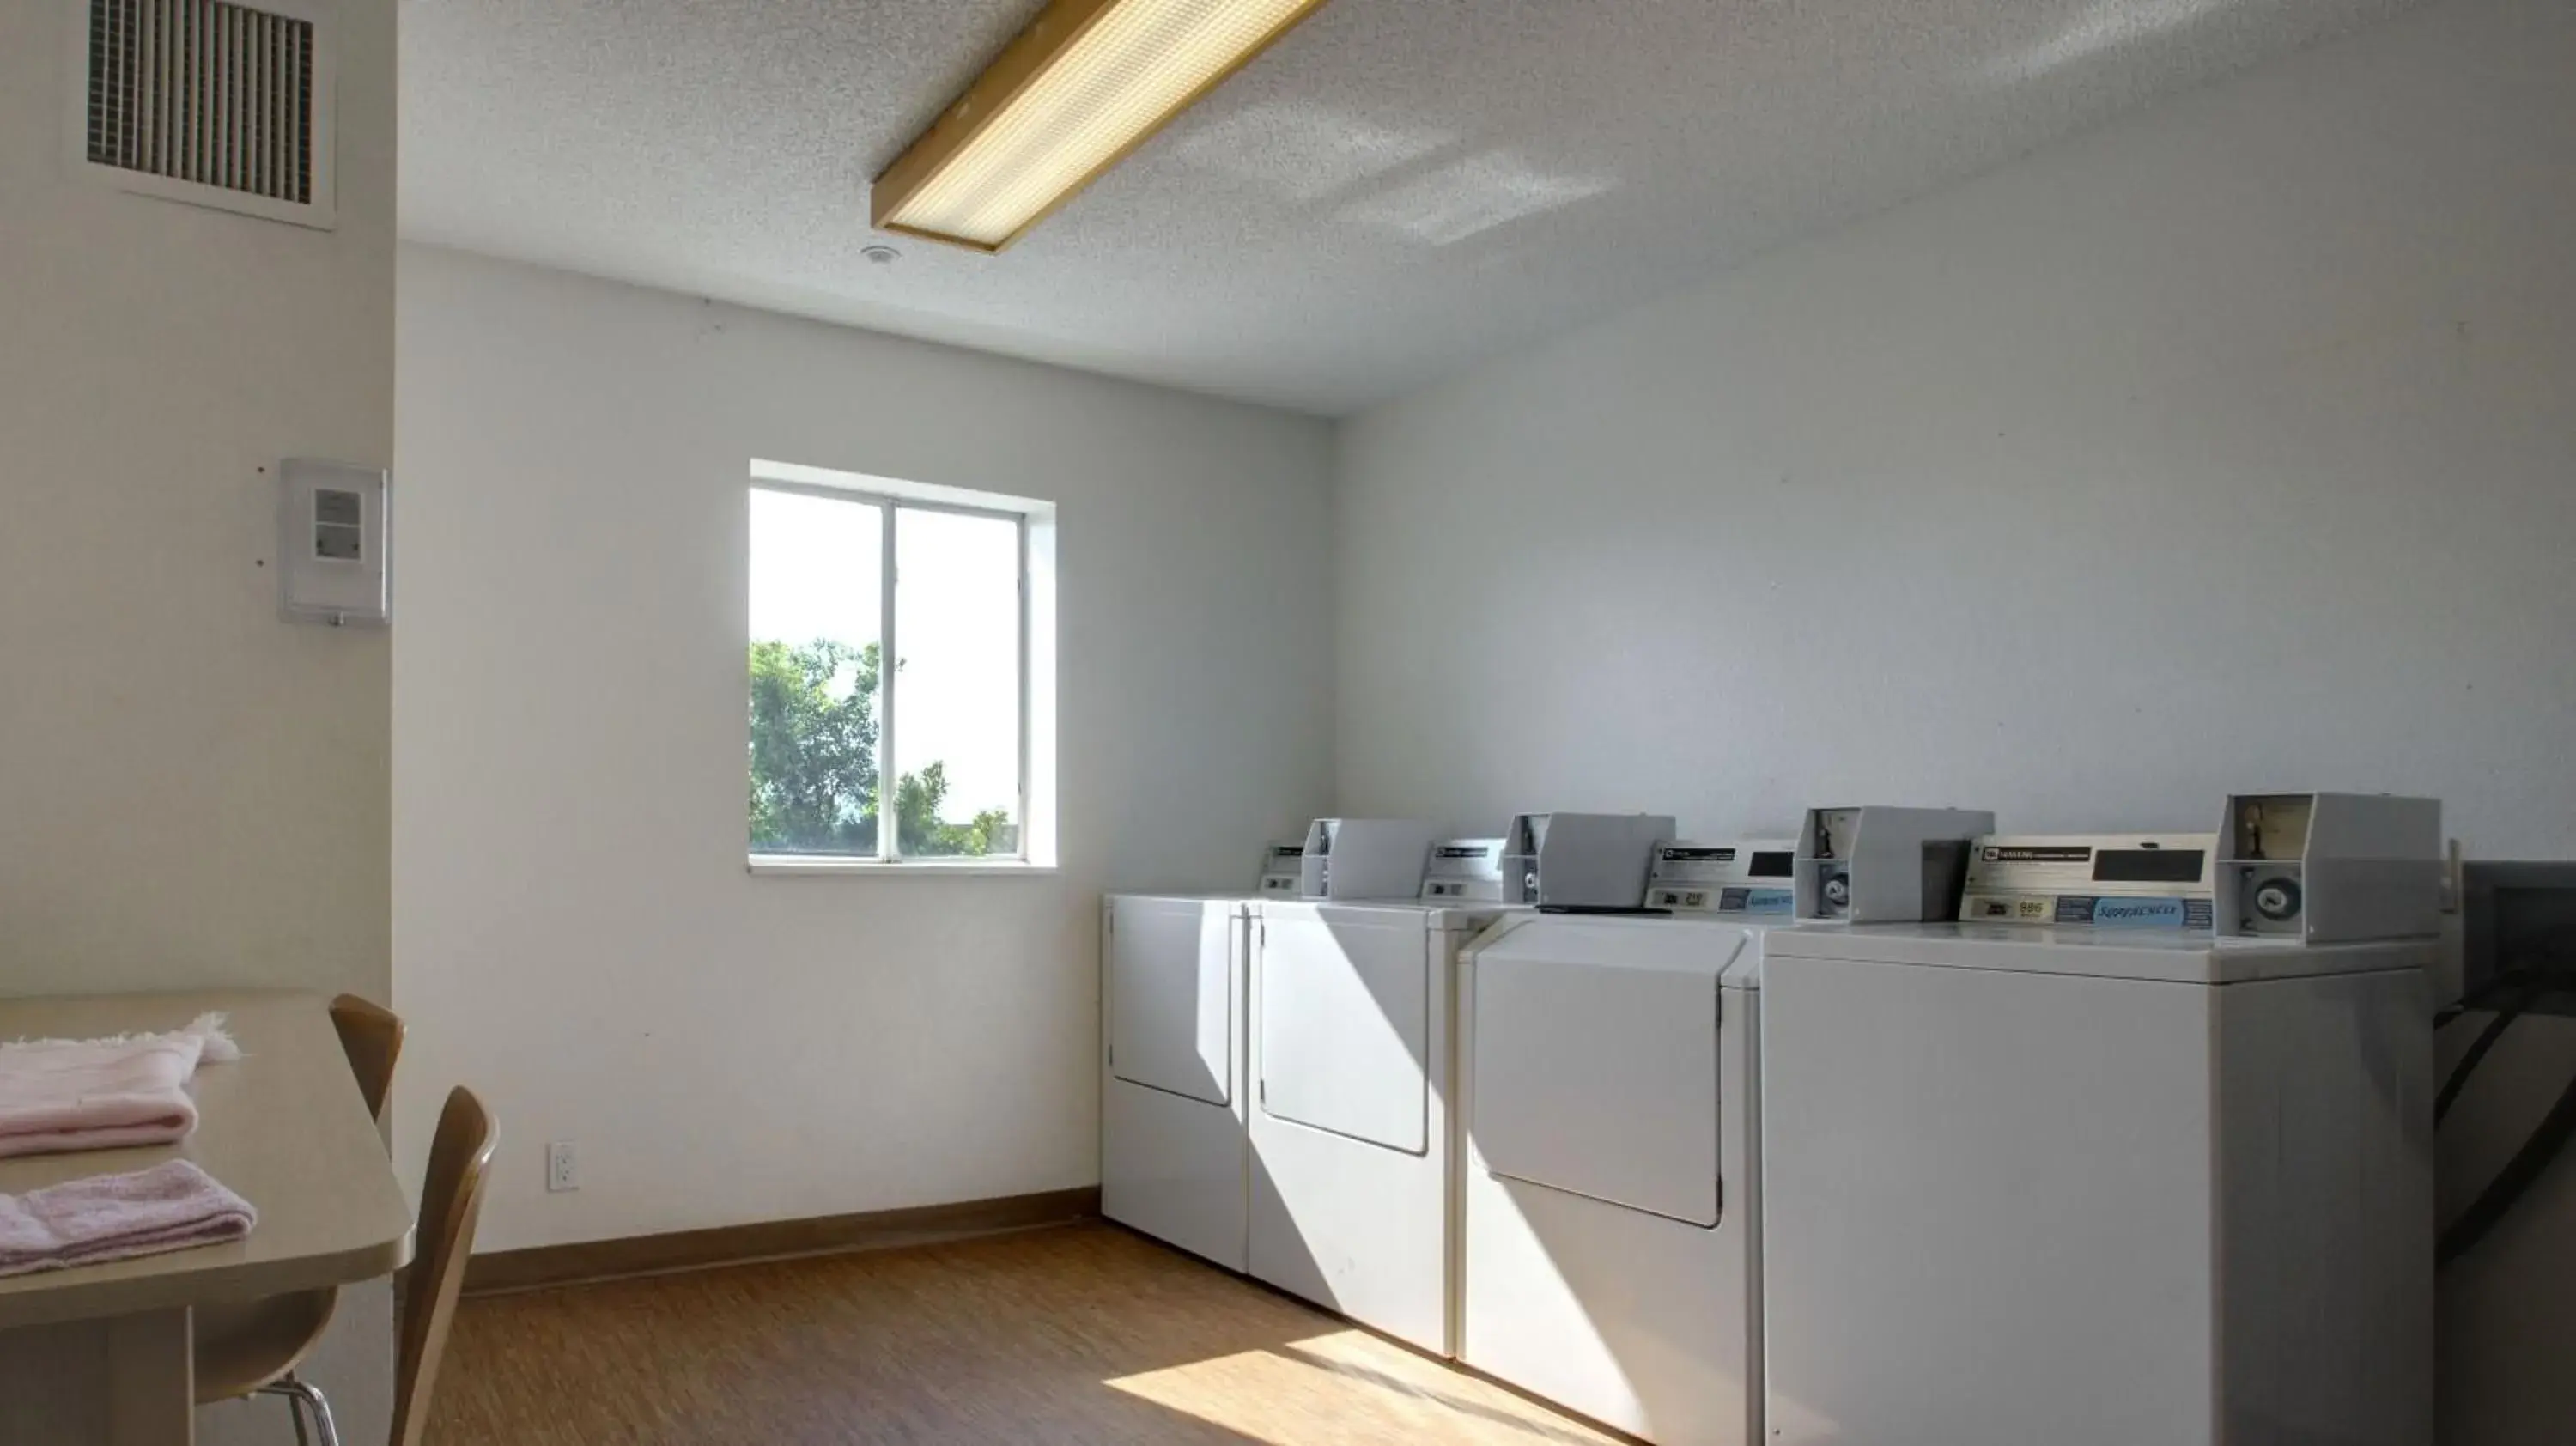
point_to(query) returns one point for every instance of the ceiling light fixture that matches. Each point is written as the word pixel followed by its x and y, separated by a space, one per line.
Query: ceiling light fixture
pixel 1087 82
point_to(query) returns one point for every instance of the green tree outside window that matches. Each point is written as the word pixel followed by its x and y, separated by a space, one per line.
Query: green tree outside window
pixel 814 764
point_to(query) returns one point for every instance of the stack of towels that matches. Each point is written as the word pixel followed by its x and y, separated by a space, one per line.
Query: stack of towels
pixel 58 1095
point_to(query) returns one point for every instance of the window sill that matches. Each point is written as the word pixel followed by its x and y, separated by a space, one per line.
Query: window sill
pixel 792 867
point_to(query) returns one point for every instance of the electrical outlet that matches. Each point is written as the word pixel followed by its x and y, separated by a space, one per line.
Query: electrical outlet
pixel 561 1171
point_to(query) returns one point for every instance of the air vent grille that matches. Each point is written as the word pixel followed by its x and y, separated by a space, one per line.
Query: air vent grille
pixel 205 93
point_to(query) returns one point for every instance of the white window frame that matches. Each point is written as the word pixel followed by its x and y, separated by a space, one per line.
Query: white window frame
pixel 1035 811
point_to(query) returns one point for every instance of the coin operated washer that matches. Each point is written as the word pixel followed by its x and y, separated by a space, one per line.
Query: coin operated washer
pixel 1610 1088
pixel 2218 1145
pixel 1354 1201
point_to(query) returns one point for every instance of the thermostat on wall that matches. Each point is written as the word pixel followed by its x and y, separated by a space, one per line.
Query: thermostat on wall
pixel 331 543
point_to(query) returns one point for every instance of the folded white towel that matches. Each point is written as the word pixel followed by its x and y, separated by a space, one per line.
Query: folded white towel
pixel 101 1094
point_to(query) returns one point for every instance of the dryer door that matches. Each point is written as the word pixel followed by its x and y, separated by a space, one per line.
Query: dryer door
pixel 1345 1023
pixel 1171 994
pixel 1595 1058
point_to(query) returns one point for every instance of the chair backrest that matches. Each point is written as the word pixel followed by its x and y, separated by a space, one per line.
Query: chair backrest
pixel 451 1200
pixel 372 1036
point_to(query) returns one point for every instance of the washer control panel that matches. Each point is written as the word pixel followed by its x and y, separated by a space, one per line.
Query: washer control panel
pixel 1757 878
pixel 2153 881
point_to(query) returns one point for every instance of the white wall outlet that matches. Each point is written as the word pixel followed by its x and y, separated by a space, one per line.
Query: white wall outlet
pixel 561 1171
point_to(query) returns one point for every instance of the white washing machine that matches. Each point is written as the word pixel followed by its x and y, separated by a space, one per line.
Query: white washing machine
pixel 2123 1187
pixel 1609 1087
pixel 1352 1146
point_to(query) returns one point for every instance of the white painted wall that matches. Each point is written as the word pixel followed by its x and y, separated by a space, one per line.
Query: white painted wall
pixel 2232 446
pixel 576 933
pixel 192 793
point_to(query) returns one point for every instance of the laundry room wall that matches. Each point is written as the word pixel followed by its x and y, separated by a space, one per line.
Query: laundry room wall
pixel 193 793
pixel 2227 447
pixel 574 929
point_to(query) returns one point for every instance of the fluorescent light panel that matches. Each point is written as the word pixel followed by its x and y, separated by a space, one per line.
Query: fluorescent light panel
pixel 1086 83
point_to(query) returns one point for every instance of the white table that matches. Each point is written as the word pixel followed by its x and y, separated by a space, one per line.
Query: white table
pixel 101 1353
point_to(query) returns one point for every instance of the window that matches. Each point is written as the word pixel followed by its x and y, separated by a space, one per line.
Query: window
pixel 846 573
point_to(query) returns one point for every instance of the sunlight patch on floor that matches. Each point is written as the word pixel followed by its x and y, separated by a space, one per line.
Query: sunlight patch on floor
pixel 1349 1386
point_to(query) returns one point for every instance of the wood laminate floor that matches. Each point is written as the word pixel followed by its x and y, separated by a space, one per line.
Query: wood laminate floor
pixel 1084 1334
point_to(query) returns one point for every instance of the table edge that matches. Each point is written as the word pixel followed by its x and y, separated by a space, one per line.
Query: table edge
pixel 208 1286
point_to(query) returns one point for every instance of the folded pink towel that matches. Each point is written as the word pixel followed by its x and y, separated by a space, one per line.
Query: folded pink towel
pixel 171 1206
pixel 103 1094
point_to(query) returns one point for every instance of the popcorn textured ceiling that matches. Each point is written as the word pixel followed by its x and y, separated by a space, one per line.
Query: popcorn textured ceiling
pixel 1397 190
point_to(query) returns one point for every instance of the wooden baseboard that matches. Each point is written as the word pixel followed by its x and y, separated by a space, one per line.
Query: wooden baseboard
pixel 552 1265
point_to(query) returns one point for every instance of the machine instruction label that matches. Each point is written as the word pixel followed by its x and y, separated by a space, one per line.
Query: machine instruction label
pixel 2038 853
pixel 2104 911
pixel 2135 913
pixel 1756 901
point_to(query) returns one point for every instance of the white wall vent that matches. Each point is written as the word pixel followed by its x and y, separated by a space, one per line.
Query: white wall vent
pixel 209 102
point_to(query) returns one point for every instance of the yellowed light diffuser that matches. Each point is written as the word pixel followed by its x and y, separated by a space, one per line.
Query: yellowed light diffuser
pixel 1086 83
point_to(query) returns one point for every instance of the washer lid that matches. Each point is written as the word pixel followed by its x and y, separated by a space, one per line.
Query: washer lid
pixel 1639 941
pixel 2113 953
pixel 1437 918
pixel 1343 1026
pixel 1594 1056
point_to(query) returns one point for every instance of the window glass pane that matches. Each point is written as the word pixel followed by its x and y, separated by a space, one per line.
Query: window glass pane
pixel 957 686
pixel 816 585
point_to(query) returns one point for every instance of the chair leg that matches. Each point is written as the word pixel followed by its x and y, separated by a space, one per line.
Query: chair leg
pixel 322 1422
pixel 294 1408
pixel 302 1399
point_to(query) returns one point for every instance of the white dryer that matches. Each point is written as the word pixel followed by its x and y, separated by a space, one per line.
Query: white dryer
pixel 2124 1187
pixel 1352 1146
pixel 1175 1152
pixel 1610 1080
pixel 1353 1120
